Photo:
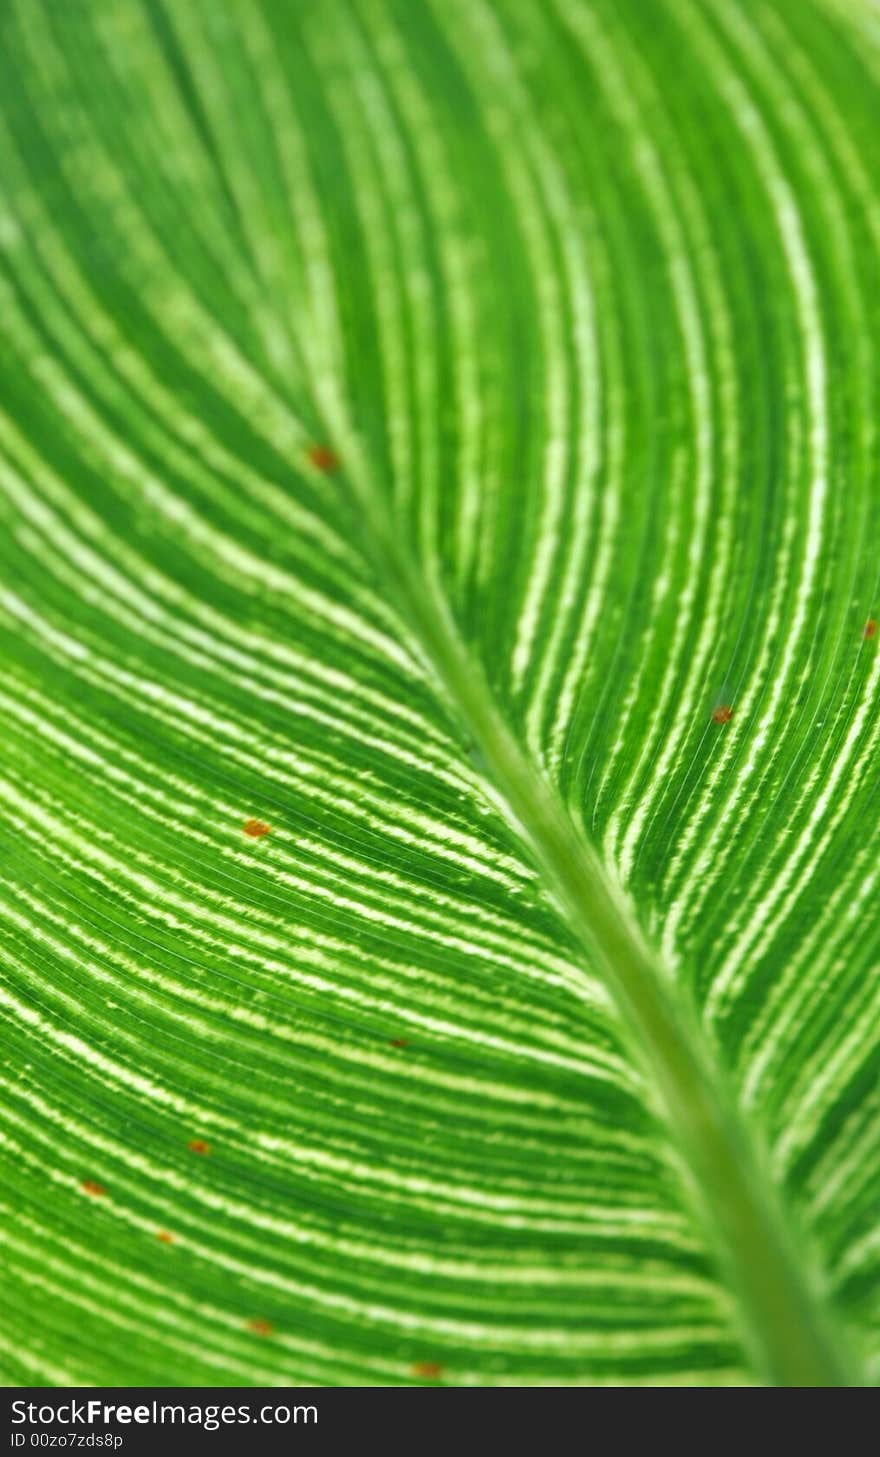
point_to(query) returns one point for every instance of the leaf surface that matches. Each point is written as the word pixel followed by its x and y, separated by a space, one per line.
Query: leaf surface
pixel 439 482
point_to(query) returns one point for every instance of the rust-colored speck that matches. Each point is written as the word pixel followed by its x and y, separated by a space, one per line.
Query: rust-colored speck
pixel 164 1237
pixel 428 1370
pixel 722 714
pixel 870 628
pixel 261 1327
pixel 255 829
pixel 323 458
pixel 198 1145
pixel 400 1042
pixel 91 1187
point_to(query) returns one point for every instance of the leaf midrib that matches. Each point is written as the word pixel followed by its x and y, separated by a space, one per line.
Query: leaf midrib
pixel 787 1324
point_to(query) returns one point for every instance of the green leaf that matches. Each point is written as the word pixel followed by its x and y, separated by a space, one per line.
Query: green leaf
pixel 439 485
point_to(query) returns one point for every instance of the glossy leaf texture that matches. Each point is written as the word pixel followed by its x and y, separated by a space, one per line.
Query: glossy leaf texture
pixel 440 541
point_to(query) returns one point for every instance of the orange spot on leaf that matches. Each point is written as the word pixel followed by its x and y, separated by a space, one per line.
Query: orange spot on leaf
pixel 90 1187
pixel 400 1042
pixel 165 1237
pixel 261 1327
pixel 870 628
pixel 323 458
pixel 255 828
pixel 429 1370
pixel 722 714
pixel 198 1145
